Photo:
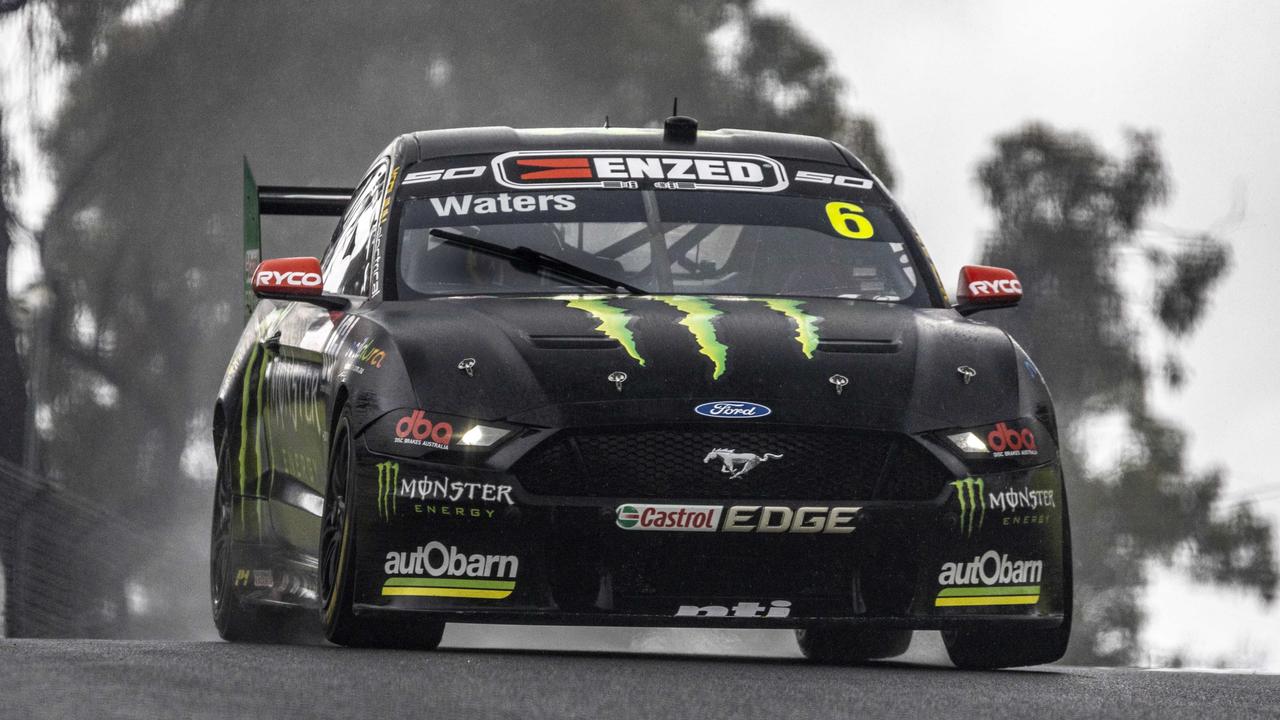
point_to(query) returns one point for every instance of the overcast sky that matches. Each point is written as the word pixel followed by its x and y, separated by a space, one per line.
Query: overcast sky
pixel 944 77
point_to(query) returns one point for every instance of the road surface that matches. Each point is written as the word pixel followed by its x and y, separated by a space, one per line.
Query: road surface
pixel 168 679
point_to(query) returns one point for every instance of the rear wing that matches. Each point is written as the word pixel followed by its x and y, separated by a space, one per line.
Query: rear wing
pixel 280 200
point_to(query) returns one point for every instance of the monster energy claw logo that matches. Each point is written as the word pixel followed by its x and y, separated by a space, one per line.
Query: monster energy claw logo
pixel 971 492
pixel 699 316
pixel 388 476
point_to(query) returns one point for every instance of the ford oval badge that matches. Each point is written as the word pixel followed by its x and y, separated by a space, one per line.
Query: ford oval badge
pixel 732 409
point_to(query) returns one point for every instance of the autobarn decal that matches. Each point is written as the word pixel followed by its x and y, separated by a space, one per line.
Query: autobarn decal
pixel 633 169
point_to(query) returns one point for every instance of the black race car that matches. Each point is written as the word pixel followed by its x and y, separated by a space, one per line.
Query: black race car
pixel 633 377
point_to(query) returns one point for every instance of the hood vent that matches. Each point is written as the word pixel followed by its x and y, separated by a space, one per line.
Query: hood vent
pixel 859 346
pixel 573 342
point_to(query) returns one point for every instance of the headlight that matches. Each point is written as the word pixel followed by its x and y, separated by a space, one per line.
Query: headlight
pixel 967 442
pixel 482 435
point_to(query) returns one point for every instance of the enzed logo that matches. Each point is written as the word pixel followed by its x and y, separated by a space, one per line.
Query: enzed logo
pixel 627 169
pixel 440 570
pixel 388 475
pixel 989 579
pixel 971 492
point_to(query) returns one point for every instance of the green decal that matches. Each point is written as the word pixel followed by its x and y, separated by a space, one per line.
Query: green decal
pixel 975 489
pixel 698 314
pixel 246 385
pixel 613 322
pixel 264 424
pixel 388 476
pixel 806 324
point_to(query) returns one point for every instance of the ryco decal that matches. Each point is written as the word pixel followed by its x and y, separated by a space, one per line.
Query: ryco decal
pixel 291 279
pixel 987 288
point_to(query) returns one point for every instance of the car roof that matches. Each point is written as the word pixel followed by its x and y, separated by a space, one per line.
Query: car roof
pixel 494 140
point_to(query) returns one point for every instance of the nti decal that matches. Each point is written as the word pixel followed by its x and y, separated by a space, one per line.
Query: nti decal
pixel 971 494
pixel 698 318
pixel 989 579
pixel 738 518
pixel 632 169
pixel 439 570
pixel 775 609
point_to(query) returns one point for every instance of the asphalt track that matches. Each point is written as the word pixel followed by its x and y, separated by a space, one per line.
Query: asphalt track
pixel 167 679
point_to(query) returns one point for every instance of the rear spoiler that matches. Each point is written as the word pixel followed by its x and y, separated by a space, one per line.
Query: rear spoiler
pixel 280 200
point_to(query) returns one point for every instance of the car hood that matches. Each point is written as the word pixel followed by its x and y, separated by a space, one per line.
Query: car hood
pixel 557 361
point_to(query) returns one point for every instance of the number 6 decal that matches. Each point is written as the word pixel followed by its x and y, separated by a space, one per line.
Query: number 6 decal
pixel 847 219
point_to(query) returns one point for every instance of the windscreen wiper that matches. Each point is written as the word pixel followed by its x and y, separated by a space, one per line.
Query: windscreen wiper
pixel 527 258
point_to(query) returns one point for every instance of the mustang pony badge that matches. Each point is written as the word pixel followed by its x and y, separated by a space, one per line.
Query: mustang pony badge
pixel 736 463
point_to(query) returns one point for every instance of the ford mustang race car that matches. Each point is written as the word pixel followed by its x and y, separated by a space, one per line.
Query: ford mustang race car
pixel 633 377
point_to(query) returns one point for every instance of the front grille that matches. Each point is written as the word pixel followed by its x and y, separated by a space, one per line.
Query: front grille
pixel 818 464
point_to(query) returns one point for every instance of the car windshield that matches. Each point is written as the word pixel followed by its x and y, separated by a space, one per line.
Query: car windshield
pixel 655 241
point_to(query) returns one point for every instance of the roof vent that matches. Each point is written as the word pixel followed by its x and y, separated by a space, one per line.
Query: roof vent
pixel 680 128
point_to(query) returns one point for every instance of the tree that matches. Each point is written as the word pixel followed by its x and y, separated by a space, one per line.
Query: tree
pixel 141 251
pixel 1067 218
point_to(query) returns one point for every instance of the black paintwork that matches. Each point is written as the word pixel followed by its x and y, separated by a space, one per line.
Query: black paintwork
pixel 543 367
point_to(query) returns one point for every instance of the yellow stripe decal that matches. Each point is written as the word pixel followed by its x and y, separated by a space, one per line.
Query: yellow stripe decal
pixel 447 592
pixel 986 600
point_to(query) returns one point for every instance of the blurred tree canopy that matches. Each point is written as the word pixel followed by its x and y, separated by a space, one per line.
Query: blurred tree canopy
pixel 1066 215
pixel 141 249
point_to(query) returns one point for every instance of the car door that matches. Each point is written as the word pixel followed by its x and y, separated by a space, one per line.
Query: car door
pixel 297 399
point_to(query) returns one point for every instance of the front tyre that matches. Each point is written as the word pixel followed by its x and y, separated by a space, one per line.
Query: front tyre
pixel 337 563
pixel 1002 647
pixel 851 644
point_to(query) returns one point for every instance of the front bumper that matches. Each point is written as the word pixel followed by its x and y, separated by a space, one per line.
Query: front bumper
pixel 469 544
